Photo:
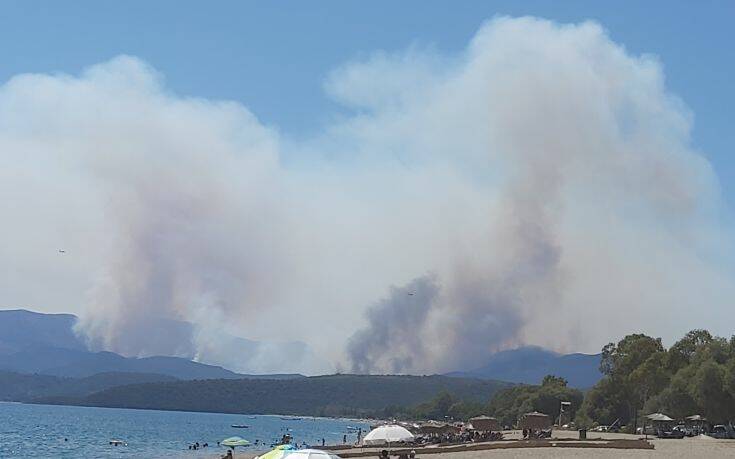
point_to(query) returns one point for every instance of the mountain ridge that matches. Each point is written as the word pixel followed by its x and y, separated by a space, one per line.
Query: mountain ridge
pixel 529 365
pixel 39 343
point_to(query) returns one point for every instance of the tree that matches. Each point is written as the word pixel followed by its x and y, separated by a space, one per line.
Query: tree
pixel 683 350
pixel 508 405
pixel 650 377
pixel 603 404
pixel 550 380
pixel 675 400
pixel 633 367
pixel 695 376
pixel 710 392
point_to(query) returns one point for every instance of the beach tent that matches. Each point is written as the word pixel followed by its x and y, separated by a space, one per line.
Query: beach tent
pixel 484 424
pixel 535 421
pixel 232 442
pixel 387 434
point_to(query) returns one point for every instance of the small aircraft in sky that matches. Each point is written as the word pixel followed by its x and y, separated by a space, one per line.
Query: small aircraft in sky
pixel 62 251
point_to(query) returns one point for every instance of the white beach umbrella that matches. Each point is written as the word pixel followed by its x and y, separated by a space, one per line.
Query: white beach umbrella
pixel 387 434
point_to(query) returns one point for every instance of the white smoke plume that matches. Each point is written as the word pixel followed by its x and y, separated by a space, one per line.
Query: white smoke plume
pixel 544 176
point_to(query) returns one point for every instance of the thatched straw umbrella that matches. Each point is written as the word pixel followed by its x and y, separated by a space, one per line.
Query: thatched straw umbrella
pixel 535 421
pixel 485 424
pixel 437 428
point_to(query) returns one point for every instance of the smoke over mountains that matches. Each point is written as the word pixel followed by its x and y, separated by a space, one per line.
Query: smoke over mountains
pixel 543 178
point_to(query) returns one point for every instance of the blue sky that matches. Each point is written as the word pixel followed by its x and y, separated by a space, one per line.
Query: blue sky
pixel 273 56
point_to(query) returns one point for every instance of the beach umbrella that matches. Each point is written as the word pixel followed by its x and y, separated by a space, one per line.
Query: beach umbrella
pixel 278 452
pixel 535 420
pixel 232 442
pixel 660 417
pixel 310 454
pixel 387 434
pixel 484 423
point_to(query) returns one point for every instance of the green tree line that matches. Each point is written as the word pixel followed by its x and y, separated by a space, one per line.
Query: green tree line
pixel 507 405
pixel 696 375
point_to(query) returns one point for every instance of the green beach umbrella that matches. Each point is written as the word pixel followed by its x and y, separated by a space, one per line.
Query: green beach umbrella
pixel 279 452
pixel 232 442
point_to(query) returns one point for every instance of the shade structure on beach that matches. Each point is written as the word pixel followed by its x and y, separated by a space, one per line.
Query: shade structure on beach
pixel 535 420
pixel 659 417
pixel 695 417
pixel 437 428
pixel 388 434
pixel 232 442
pixel 278 452
pixel 484 424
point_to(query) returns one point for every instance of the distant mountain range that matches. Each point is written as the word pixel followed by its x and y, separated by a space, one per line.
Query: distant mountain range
pixel 45 344
pixel 529 365
pixel 21 329
pixel 43 361
pixel 32 342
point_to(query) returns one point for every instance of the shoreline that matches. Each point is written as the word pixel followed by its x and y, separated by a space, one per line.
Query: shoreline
pixel 303 417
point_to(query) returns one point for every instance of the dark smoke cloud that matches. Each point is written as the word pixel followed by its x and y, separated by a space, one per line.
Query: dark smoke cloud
pixel 392 338
pixel 417 328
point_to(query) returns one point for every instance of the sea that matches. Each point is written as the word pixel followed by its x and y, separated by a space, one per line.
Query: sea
pixel 52 431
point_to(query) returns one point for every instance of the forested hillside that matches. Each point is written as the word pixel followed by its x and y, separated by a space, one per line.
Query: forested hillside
pixel 24 387
pixel 320 396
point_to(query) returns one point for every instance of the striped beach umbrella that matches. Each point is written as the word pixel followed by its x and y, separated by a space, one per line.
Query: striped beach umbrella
pixel 278 452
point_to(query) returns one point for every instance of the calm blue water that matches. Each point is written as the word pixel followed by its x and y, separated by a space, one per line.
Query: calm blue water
pixel 39 431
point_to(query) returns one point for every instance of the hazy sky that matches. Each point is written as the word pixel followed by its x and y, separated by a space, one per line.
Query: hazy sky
pixel 429 180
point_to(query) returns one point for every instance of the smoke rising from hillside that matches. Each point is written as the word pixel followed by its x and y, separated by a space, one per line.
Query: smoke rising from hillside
pixel 544 177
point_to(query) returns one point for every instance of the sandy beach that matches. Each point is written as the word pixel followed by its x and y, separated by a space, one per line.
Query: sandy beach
pixel 697 447
pixel 669 449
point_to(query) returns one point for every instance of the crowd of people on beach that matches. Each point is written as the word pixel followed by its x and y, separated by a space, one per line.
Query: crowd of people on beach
pixel 462 437
pixel 529 434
